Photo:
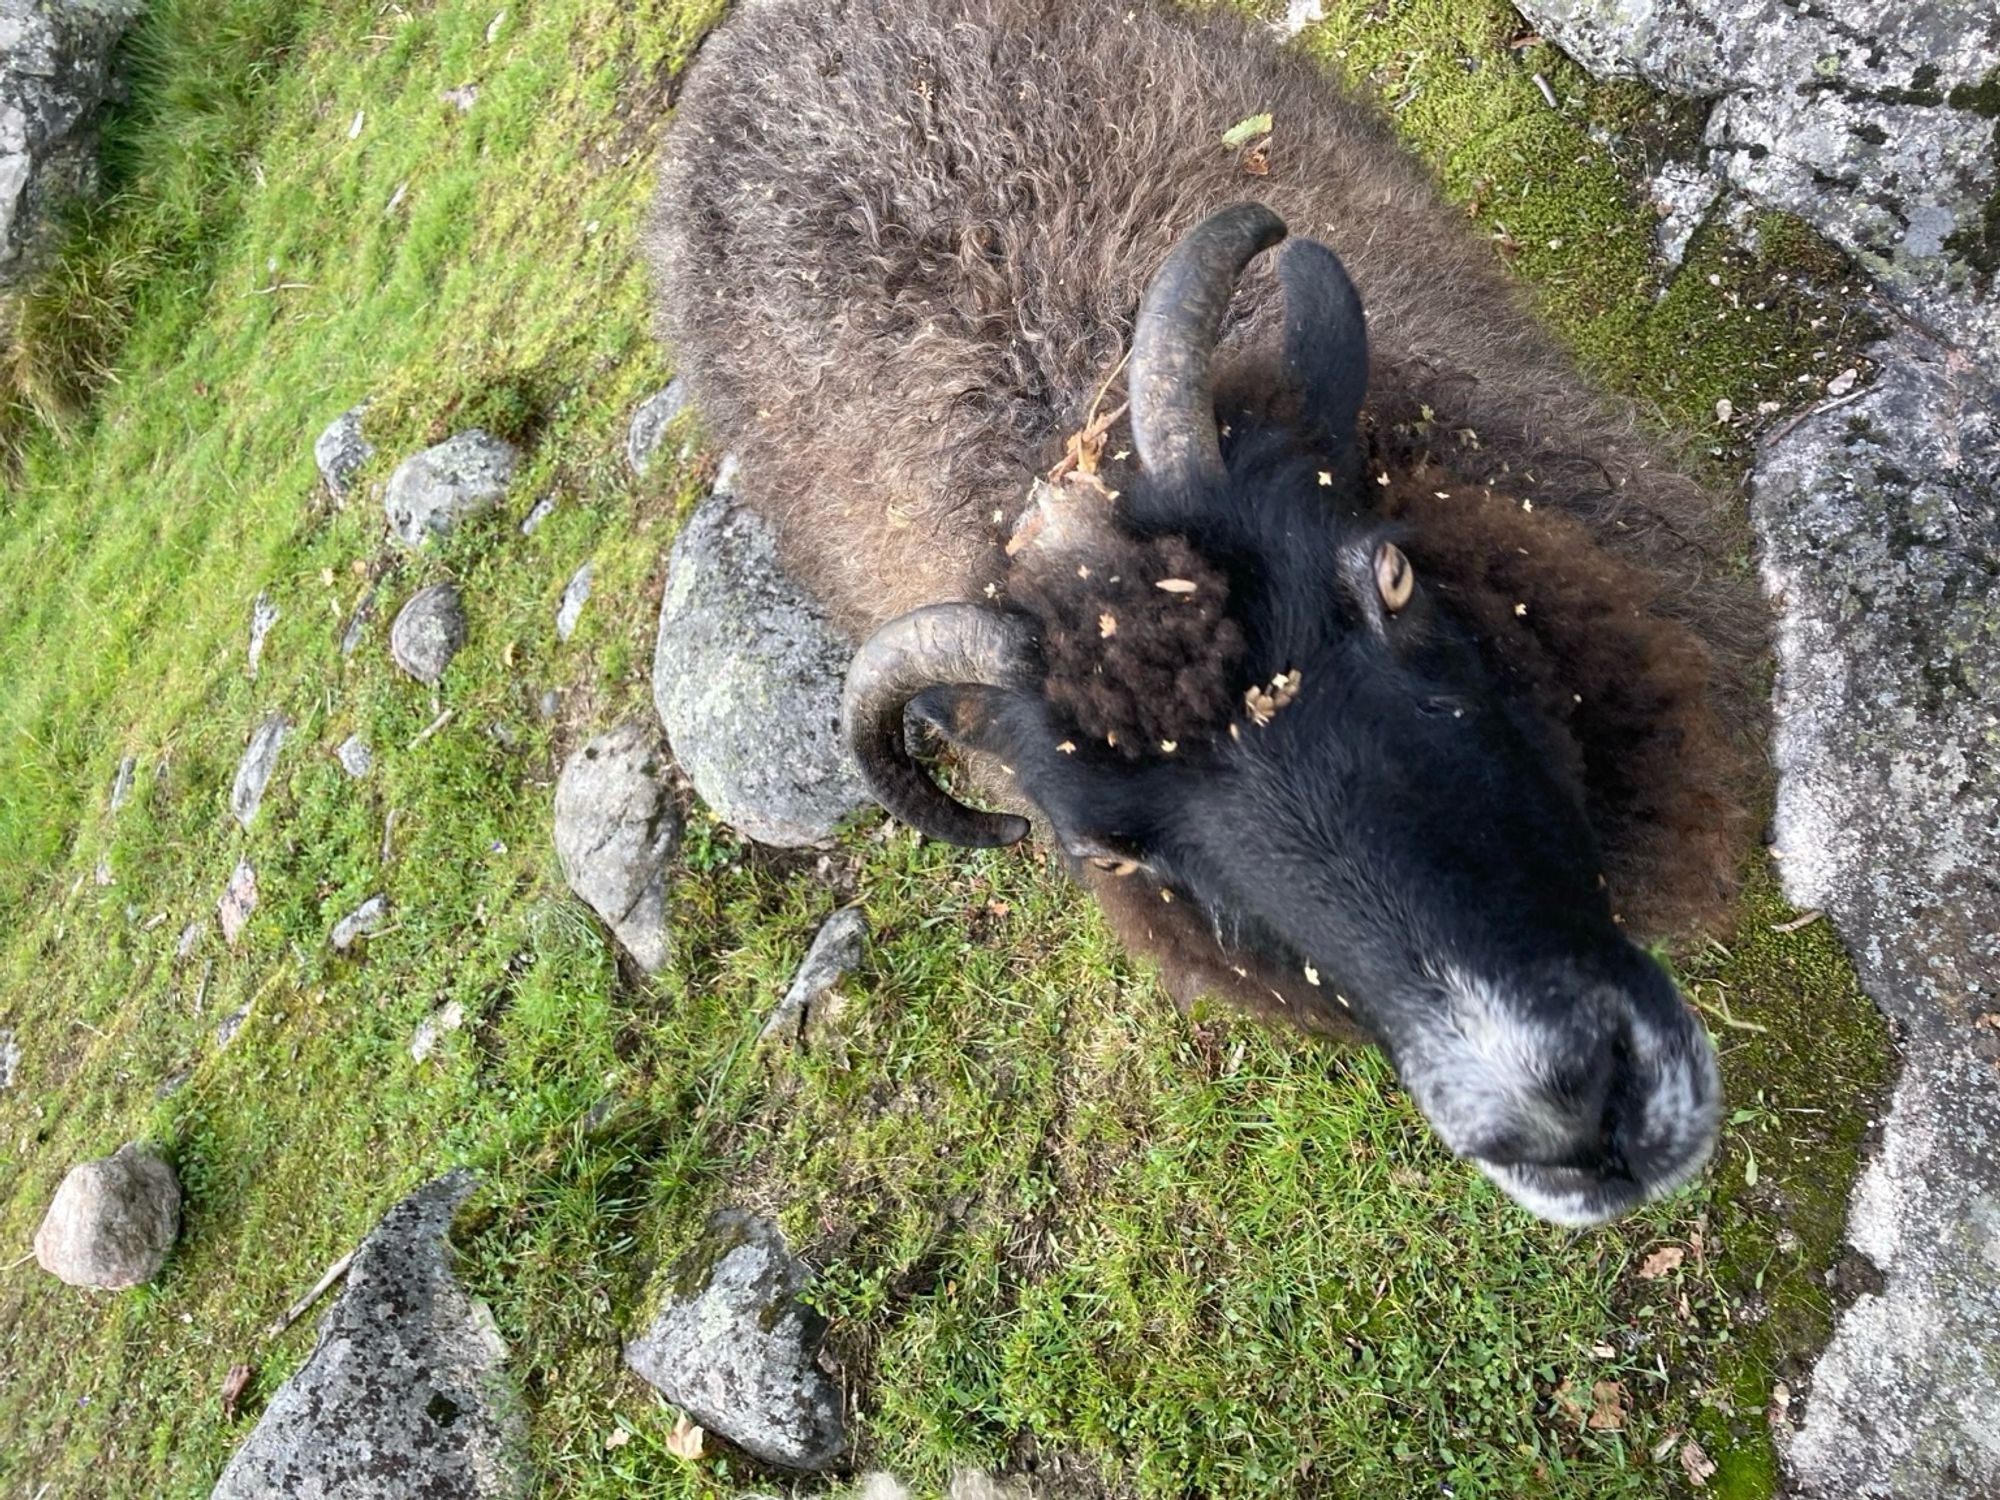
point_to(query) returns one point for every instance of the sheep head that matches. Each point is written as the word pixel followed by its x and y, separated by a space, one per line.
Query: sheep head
pixel 1314 767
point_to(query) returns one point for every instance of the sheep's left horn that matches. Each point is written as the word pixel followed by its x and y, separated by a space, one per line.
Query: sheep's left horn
pixel 1173 409
pixel 941 643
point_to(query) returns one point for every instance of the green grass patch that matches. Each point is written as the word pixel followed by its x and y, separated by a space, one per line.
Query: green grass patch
pixel 1056 1220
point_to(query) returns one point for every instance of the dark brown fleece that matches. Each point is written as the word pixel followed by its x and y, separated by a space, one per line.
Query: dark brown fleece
pixel 900 242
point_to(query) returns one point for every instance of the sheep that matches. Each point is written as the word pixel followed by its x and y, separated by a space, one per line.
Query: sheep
pixel 1371 670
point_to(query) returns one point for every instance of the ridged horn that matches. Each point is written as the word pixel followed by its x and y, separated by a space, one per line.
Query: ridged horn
pixel 1173 407
pixel 939 644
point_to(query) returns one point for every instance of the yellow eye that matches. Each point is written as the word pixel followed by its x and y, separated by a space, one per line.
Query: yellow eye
pixel 1393 578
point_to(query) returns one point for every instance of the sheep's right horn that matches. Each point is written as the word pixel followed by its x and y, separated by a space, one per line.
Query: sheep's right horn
pixel 1173 409
pixel 941 643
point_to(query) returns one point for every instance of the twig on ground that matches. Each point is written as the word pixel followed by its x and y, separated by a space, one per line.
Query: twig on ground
pixel 298 1309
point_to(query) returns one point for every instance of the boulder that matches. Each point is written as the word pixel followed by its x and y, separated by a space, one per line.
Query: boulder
pixel 428 631
pixel 835 952
pixel 113 1220
pixel 616 830
pixel 747 676
pixel 734 1348
pixel 1876 124
pixel 650 423
pixel 253 771
pixel 432 491
pixel 405 1392
pixel 341 450
pixel 1879 517
pixel 55 70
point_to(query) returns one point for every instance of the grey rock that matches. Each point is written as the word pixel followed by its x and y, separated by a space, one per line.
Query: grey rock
pixel 616 829
pixel 113 1220
pixel 550 704
pixel 405 1393
pixel 239 899
pixel 574 595
pixel 121 781
pixel 434 1028
pixel 1683 194
pixel 263 615
pixel 365 920
pixel 432 491
pixel 55 70
pixel 1873 123
pixel 651 421
pixel 539 512
pixel 341 451
pixel 227 1028
pixel 835 952
pixel 747 676
pixel 190 937
pixel 734 1347
pixel 355 758
pixel 728 470
pixel 428 631
pixel 1880 523
pixel 461 98
pixel 253 771
pixel 10 1057
pixel 364 611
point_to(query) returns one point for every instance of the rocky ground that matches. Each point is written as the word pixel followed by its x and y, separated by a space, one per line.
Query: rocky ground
pixel 432 859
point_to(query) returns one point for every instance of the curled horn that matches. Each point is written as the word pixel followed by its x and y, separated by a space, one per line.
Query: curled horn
pixel 1173 410
pixel 939 644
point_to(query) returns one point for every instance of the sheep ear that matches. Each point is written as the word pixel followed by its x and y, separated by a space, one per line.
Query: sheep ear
pixel 1006 725
pixel 1326 339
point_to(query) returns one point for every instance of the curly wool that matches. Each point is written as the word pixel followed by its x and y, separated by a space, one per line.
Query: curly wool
pixel 1129 663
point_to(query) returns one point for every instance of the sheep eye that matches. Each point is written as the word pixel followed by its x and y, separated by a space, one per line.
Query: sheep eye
pixel 1393 578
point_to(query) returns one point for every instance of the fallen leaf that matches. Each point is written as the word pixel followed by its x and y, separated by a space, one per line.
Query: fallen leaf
pixel 684 1441
pixel 1842 383
pixel 1257 160
pixel 1697 1463
pixel 1607 1414
pixel 1246 130
pixel 1565 1399
pixel 1779 1412
pixel 619 1438
pixel 232 1390
pixel 1604 1351
pixel 1666 1258
pixel 1176 585
pixel 1107 625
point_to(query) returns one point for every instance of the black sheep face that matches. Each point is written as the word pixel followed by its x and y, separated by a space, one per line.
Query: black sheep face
pixel 1364 804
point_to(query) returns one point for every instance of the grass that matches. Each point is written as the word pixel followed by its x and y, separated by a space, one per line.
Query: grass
pixel 1056 1220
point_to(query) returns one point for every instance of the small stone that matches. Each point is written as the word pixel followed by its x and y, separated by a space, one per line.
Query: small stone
pixel 428 632
pixel 239 899
pixel 434 1028
pixel 365 920
pixel 616 829
pixel 728 470
pixel 406 1391
pixel 1842 383
pixel 190 936
pixel 10 1057
pixel 341 451
pixel 835 953
pixel 263 615
pixel 735 1349
pixel 650 423
pixel 229 1025
pixel 573 596
pixel 354 756
pixel 253 772
pixel 539 512
pixel 432 491
pixel 121 782
pixel 364 611
pixel 112 1222
pixel 461 98
pixel 550 704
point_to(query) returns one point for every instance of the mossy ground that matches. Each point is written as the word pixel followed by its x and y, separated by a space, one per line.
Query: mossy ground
pixel 1056 1219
